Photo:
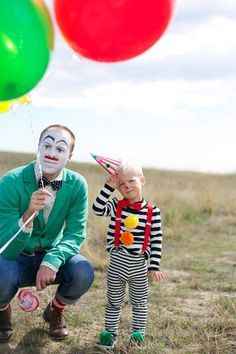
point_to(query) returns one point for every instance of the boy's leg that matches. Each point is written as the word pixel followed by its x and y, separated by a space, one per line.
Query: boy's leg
pixel 116 284
pixel 115 298
pixel 138 294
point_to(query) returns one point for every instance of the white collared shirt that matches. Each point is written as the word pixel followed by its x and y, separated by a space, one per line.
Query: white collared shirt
pixel 49 199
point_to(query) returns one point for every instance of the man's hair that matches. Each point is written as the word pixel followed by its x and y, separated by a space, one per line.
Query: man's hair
pixel 60 127
pixel 130 166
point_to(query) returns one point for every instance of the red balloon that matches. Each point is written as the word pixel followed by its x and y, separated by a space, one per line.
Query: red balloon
pixel 112 30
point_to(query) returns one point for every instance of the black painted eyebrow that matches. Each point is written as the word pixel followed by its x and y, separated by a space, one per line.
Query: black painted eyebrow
pixel 50 137
pixel 63 141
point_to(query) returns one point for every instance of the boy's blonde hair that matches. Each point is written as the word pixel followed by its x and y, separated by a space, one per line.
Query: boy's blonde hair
pixel 130 166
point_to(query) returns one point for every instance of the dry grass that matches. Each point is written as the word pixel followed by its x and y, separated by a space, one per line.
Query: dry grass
pixel 193 310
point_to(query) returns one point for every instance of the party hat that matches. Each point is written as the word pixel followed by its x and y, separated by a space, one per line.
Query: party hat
pixel 109 165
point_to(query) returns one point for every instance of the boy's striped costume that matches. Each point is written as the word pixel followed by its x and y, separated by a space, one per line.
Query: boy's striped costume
pixel 128 263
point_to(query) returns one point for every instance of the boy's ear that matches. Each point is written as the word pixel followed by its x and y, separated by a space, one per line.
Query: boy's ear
pixel 143 180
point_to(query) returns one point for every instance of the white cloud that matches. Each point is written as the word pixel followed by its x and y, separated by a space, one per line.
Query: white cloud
pixel 213 36
pixel 173 100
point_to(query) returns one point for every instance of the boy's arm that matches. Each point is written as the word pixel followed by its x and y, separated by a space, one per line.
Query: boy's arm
pixel 102 206
pixel 156 241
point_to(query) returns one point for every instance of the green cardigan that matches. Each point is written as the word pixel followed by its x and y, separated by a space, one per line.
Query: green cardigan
pixel 65 230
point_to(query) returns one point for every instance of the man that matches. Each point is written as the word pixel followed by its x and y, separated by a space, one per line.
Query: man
pixel 49 204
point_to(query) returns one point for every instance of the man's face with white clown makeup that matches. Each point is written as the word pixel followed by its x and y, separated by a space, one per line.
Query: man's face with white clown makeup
pixel 54 152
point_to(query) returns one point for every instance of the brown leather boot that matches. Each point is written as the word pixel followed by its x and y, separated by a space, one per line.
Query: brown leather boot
pixel 57 327
pixel 6 330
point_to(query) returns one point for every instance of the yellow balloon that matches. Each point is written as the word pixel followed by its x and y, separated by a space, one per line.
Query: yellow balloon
pixel 131 222
pixel 6 106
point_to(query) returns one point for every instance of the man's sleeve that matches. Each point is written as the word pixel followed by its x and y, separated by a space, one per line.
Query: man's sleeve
pixel 9 219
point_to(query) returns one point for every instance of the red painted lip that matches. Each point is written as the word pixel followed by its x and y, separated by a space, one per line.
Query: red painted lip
pixel 51 158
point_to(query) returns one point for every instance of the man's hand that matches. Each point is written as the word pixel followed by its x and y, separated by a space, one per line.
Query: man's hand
pixel 45 276
pixel 112 181
pixel 37 202
pixel 155 275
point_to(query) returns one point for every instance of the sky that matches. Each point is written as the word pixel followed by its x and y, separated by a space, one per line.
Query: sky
pixel 173 107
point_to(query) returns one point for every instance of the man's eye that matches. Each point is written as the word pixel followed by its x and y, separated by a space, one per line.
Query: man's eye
pixel 60 150
pixel 47 146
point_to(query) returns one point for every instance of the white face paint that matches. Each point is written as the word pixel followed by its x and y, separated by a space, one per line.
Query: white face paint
pixel 54 151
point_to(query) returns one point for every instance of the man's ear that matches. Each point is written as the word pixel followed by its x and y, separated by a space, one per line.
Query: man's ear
pixel 143 180
pixel 69 157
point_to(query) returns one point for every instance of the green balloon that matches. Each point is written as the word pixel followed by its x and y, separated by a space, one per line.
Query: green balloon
pixel 26 33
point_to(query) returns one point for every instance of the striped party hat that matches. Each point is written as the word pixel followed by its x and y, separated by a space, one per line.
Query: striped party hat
pixel 109 165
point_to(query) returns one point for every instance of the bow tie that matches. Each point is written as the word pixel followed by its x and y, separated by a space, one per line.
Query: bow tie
pixel 54 184
pixel 125 203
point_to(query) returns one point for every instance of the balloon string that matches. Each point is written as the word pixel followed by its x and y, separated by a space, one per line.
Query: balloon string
pixel 40 172
pixel 31 124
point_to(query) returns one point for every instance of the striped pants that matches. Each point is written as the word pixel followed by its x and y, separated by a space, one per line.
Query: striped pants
pixel 126 268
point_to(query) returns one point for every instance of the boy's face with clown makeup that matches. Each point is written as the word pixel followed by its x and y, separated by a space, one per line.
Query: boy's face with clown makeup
pixel 54 152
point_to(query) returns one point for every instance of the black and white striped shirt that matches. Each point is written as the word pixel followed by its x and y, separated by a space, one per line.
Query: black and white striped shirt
pixel 105 207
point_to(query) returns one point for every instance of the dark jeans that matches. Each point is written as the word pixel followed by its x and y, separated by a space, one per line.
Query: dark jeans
pixel 74 278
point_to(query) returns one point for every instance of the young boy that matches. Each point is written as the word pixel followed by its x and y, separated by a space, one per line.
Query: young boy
pixel 134 235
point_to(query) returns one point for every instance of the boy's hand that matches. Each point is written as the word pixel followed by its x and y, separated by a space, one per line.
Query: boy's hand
pixel 112 180
pixel 155 275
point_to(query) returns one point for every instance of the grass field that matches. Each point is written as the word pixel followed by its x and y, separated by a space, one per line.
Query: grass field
pixel 193 310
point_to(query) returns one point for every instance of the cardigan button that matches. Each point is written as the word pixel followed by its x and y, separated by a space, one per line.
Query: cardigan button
pixel 43 235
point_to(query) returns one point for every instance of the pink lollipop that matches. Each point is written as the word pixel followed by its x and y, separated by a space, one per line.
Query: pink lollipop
pixel 28 301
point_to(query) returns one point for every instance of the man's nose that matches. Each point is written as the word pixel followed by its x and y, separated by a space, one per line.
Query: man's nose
pixel 54 152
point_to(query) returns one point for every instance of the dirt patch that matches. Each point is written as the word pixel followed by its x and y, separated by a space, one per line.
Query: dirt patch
pixel 176 276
